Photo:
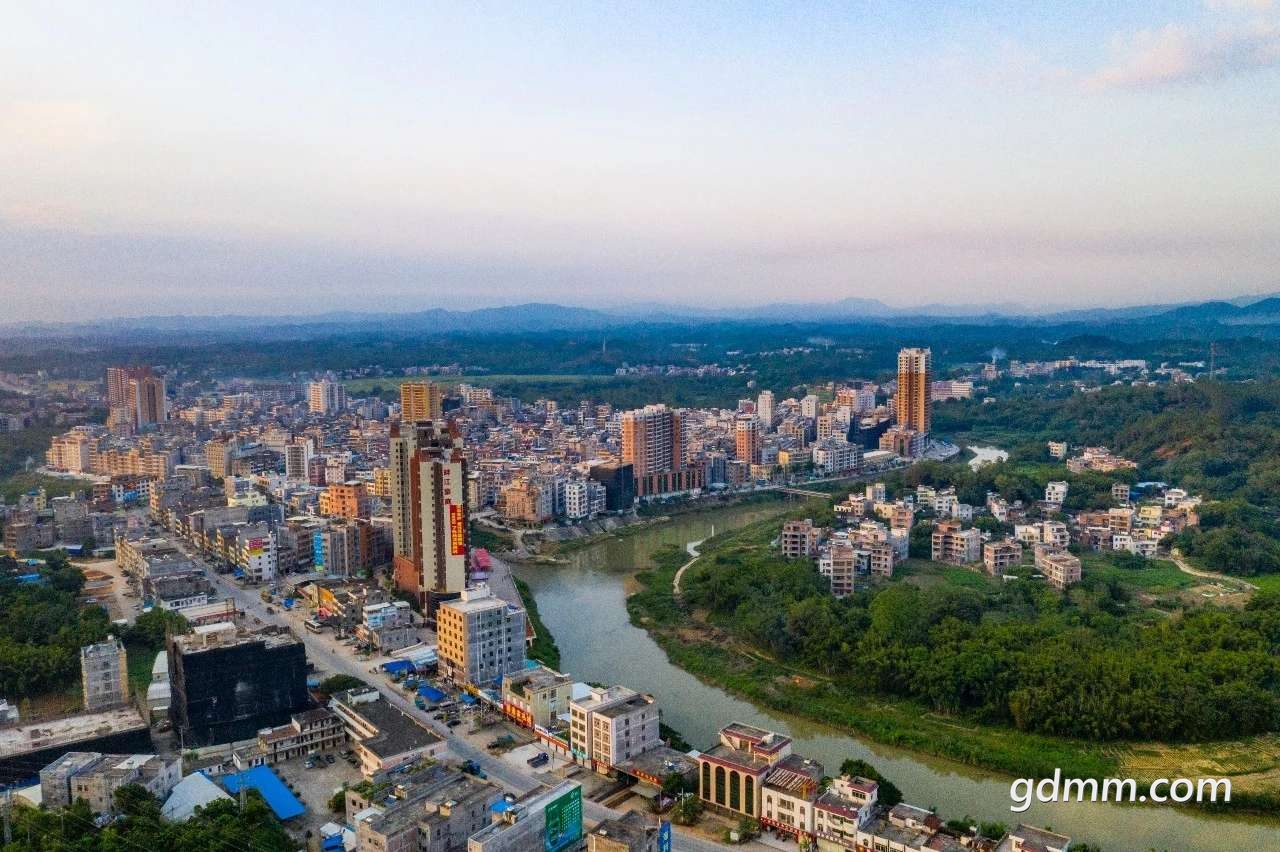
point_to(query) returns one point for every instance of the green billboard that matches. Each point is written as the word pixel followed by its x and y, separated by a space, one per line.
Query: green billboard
pixel 564 821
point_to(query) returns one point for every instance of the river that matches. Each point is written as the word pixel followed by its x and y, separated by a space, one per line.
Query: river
pixel 583 604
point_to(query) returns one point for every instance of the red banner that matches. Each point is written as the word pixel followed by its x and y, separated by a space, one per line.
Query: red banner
pixel 457 531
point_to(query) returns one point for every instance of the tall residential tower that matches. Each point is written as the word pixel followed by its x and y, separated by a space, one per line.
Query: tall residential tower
pixel 428 511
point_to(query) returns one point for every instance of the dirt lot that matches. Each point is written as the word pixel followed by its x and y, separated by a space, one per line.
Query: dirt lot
pixel 104 582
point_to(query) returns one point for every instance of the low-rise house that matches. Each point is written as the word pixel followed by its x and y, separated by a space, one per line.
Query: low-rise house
pixel 789 794
pixel 384 738
pixel 731 774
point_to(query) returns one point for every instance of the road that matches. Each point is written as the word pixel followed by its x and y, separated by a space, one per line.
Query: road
pixel 1186 568
pixel 331 655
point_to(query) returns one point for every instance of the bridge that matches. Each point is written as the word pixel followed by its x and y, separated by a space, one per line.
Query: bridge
pixel 800 492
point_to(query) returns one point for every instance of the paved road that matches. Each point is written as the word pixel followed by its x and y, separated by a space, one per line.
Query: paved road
pixel 331 655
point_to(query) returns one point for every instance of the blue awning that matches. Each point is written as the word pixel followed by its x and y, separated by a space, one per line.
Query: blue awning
pixel 282 802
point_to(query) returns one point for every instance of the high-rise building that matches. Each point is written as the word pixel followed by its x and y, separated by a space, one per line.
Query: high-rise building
pixel 146 399
pixel 103 675
pixel 915 372
pixel 297 455
pixel 764 409
pixel 746 432
pixel 227 684
pixel 118 379
pixel 326 397
pixel 428 511
pixel 421 401
pixel 653 444
pixel 651 440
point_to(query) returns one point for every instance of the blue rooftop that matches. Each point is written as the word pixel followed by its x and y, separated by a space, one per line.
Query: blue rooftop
pixel 283 803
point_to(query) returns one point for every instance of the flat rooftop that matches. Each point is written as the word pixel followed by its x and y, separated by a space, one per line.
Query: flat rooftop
pixel 67 730
pixel 397 732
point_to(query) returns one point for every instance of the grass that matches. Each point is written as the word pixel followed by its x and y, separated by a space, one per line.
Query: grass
pixel 925 573
pixel 14 486
pixel 140 659
pixel 489 538
pixel 544 648
pixel 1159 576
pixel 1265 582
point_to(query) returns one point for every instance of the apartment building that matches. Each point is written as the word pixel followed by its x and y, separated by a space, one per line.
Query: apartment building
pixel 305 733
pixel 789 795
pixel 384 738
pixel 799 539
pixel 612 725
pixel 846 806
pixel 96 777
pixel 536 697
pixel 1000 556
pixel 104 675
pixel 954 545
pixel 1060 568
pixel 481 638
pixel 437 813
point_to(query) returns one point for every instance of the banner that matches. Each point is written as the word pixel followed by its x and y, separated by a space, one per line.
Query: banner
pixel 457 530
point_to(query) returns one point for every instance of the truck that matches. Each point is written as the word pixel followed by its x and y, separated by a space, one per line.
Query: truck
pixel 502 741
pixel 472 768
pixel 539 759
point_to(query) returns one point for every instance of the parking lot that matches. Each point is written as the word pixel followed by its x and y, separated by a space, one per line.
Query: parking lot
pixel 314 787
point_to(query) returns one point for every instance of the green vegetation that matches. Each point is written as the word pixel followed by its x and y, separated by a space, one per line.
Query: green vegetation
pixel 1017 677
pixel 489 538
pixel 339 683
pixel 43 626
pixel 888 794
pixel 544 648
pixel 1217 439
pixel 218 825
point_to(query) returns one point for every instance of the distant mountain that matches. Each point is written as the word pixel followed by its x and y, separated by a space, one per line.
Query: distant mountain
pixel 540 316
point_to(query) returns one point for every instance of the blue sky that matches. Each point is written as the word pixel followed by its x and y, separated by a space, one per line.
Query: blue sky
pixel 225 158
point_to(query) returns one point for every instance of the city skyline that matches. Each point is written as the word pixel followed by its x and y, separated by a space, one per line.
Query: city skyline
pixel 304 161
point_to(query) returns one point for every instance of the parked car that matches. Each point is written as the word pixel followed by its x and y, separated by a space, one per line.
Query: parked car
pixel 453 723
pixel 329 759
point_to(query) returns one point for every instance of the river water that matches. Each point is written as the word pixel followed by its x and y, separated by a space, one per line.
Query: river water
pixel 583 604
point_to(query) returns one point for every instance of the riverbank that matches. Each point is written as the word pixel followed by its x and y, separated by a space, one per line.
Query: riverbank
pixel 544 648
pixel 718 659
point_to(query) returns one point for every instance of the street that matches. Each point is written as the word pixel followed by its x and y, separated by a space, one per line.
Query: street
pixel 328 654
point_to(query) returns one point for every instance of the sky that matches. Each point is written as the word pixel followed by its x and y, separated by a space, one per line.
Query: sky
pixel 281 158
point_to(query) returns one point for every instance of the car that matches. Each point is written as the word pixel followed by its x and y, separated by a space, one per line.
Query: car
pixel 271 610
pixel 453 723
pixel 310 764
pixel 329 759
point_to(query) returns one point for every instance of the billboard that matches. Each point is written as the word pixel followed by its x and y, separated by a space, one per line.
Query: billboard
pixel 564 821
pixel 664 836
pixel 457 530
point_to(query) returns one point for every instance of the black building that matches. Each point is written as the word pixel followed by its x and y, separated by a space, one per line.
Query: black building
pixel 227 685
pixel 619 481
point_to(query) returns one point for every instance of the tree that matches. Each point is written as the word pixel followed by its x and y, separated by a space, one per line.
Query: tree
pixel 888 794
pixel 339 683
pixel 687 811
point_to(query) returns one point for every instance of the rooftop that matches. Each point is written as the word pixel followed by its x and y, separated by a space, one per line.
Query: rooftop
pixel 397 732
pixel 632 828
pixel 20 739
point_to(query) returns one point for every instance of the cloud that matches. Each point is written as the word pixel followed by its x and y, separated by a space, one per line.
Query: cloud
pixel 1176 54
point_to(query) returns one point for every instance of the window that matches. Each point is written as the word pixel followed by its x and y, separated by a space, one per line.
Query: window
pixel 719 785
pixel 735 791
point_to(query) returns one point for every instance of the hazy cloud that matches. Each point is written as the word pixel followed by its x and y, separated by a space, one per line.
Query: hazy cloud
pixel 1177 54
